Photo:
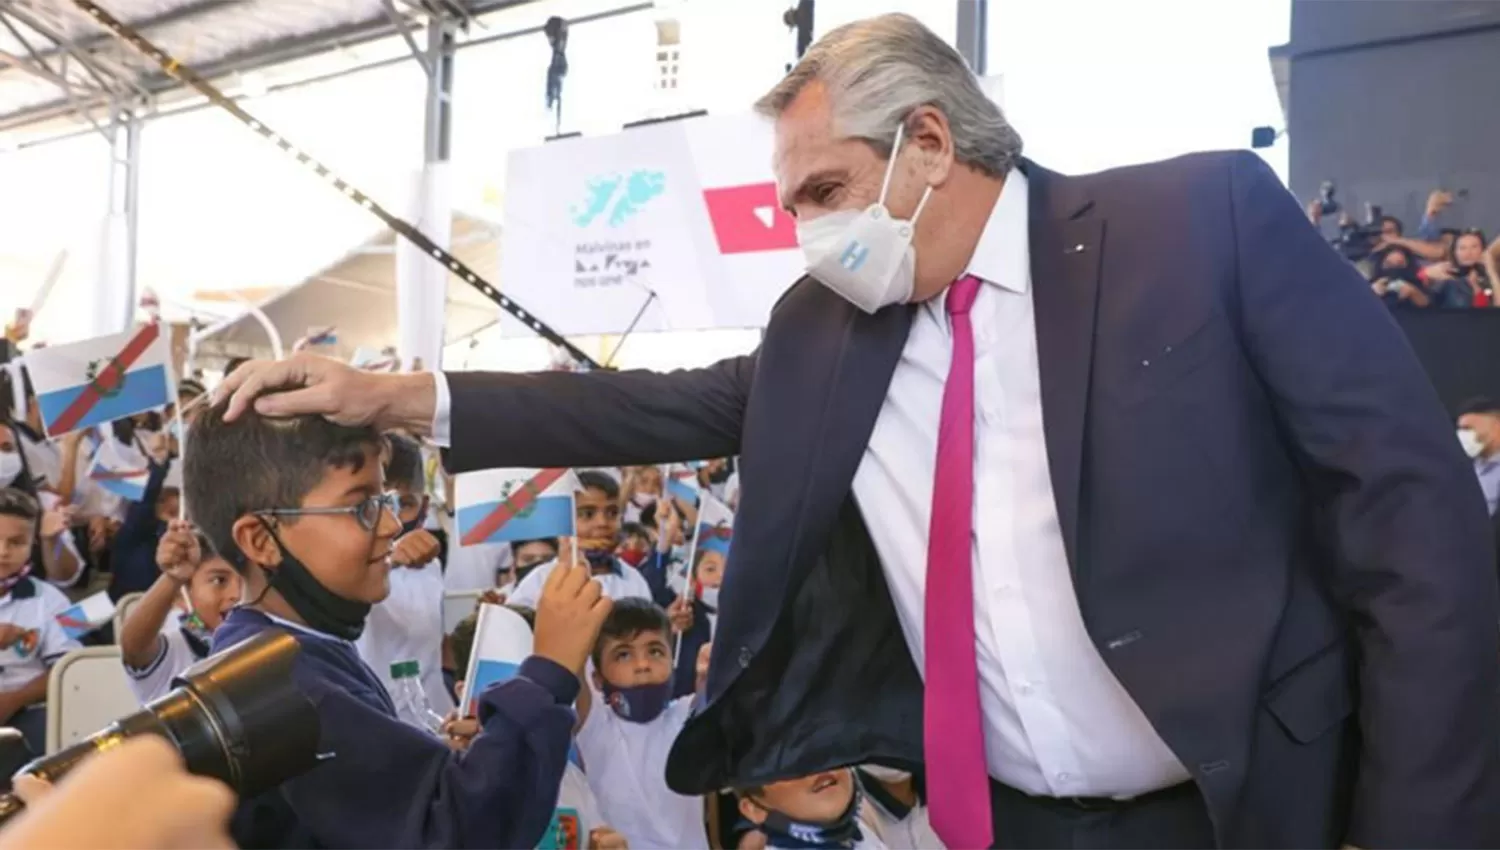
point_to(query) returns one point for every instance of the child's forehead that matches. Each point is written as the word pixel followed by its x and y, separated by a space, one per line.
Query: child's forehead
pixel 592 494
pixel 11 524
pixel 640 638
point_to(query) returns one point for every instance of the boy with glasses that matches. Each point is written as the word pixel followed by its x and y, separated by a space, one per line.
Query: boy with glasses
pixel 298 506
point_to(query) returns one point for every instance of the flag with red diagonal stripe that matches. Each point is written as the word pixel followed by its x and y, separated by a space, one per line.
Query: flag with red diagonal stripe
pixel 507 505
pixel 99 380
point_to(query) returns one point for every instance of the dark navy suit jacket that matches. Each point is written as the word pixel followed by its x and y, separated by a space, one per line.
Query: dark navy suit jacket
pixel 1277 546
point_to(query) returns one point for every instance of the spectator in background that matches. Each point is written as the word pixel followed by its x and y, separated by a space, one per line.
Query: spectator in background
pixel 1462 280
pixel 1479 434
pixel 1394 279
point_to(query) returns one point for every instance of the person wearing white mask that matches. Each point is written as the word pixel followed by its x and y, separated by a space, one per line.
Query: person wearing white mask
pixel 1113 501
pixel 1479 435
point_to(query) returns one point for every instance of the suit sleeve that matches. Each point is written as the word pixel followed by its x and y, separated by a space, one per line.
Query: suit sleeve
pixel 1415 563
pixel 597 418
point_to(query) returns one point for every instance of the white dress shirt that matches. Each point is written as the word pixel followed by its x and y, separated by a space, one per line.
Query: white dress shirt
pixel 1056 721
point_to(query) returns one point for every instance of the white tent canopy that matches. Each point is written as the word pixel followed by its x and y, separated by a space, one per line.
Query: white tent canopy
pixel 356 296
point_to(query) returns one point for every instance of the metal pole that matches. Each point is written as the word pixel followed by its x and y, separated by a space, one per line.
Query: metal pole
pixel 132 210
pixel 973 21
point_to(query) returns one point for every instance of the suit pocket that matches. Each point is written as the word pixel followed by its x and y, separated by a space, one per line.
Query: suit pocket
pixel 1155 368
pixel 1315 697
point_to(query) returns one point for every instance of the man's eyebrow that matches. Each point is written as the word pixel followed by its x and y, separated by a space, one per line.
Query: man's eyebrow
pixel 791 198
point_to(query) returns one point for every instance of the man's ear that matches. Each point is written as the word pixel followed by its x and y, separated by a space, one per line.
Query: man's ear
pixel 927 130
pixel 254 539
pixel 752 812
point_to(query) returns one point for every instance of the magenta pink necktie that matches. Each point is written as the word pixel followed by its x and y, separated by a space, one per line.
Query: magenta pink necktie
pixel 958 794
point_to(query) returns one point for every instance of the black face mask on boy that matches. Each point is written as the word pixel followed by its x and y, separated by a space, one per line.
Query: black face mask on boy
pixel 322 609
pixel 783 831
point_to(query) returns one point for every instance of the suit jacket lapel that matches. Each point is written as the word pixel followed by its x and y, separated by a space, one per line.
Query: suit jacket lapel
pixel 1067 247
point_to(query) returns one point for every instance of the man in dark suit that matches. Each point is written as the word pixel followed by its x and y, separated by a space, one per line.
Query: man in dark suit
pixel 1118 505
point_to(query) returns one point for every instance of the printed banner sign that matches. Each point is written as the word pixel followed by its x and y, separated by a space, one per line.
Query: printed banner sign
pixel 683 215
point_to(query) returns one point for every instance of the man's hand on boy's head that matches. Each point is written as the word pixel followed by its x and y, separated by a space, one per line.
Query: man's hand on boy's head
pixel 416 549
pixel 178 553
pixel 308 384
pixel 569 614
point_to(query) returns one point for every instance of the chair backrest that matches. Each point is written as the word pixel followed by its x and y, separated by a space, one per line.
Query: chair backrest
pixel 86 691
pixel 458 604
pixel 123 608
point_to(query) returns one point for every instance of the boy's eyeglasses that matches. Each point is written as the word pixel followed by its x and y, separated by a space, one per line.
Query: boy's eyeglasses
pixel 366 513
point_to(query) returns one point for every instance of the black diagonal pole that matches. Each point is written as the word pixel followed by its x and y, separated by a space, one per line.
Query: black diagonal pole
pixel 190 78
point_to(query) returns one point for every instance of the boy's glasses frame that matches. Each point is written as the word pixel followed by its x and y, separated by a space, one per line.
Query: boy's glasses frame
pixel 366 513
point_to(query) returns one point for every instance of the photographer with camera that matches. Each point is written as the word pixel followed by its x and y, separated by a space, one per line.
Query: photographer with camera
pixel 1462 280
pixel 1394 277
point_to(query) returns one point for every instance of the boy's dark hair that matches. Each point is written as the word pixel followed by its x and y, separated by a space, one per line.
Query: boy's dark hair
pixel 517 545
pixel 591 479
pixel 257 463
pixel 403 463
pixel 234 363
pixel 1480 404
pixel 629 618
pixel 462 642
pixel 634 529
pixel 462 639
pixel 19 504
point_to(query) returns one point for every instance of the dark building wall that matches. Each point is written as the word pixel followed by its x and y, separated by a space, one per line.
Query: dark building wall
pixel 1393 98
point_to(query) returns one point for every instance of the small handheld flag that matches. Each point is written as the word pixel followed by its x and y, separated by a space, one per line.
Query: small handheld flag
pixel 502 640
pixel 86 615
pixel 682 484
pixel 505 505
pixel 99 380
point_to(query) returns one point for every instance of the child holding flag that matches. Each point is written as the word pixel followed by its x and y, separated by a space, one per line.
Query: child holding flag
pixel 299 507
pixel 153 656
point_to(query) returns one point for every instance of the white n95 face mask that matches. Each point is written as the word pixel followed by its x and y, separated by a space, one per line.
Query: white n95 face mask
pixel 866 255
pixel 1470 442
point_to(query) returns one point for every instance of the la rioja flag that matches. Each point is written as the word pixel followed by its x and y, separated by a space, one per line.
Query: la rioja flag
pixel 99 380
pixel 506 505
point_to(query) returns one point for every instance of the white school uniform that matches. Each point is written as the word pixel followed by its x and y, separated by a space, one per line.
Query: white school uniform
pixel 914 832
pixel 577 812
pixel 624 583
pixel 408 626
pixel 627 767
pixel 33 606
pixel 476 567
pixel 174 654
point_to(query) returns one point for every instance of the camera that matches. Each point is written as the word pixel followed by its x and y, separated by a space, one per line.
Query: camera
pixel 1356 240
pixel 1325 198
pixel 235 716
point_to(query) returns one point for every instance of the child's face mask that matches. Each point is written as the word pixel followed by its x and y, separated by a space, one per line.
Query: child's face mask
pixel 638 703
pixel 841 832
pixel 322 609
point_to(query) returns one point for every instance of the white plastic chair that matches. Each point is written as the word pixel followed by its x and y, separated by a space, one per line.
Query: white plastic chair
pixel 458 604
pixel 123 608
pixel 87 690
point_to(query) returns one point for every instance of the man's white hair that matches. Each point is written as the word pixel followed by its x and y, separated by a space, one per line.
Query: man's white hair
pixel 879 70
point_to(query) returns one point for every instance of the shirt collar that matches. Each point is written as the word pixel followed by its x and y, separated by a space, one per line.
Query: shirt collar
pixel 1003 254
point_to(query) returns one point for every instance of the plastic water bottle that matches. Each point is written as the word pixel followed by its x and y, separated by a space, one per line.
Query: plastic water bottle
pixel 411 698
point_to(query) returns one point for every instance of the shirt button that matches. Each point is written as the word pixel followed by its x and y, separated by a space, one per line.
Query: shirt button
pixel 1065 777
pixel 745 657
pixel 1024 687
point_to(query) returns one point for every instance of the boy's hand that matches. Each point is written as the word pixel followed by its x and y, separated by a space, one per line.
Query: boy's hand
pixel 178 553
pixel 680 613
pixel 460 731
pixel 569 614
pixel 605 838
pixel 416 549
pixel 57 521
pixel 157 447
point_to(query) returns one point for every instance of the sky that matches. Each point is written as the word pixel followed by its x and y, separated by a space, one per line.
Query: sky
pixel 1090 84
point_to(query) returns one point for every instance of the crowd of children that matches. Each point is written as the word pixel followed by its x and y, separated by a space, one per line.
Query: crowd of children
pixel 340 536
